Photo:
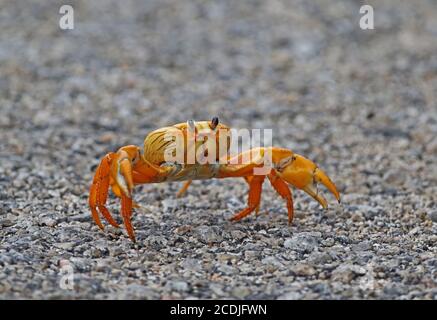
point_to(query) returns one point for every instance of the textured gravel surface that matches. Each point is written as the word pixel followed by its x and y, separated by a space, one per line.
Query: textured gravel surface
pixel 361 104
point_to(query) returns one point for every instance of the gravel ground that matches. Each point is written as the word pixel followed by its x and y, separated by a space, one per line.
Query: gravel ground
pixel 361 104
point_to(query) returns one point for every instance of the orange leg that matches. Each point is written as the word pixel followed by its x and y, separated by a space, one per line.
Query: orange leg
pixel 184 188
pixel 122 171
pixel 126 212
pixel 248 179
pixel 255 187
pixel 99 192
pixel 282 188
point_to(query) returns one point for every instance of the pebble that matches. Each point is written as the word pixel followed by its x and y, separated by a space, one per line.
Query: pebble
pixel 66 245
pixel 304 243
pixel 345 273
pixel 179 286
pixel 433 215
pixel 48 221
pixel 238 235
pixel 302 269
pixel 291 296
pixel 137 291
pixel 208 234
pixel 6 223
pixel 241 293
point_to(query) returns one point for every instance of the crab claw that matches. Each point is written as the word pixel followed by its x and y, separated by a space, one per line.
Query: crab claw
pixel 122 171
pixel 304 174
pixel 124 176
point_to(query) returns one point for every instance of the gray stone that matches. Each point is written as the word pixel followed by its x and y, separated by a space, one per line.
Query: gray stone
pixel 304 242
pixel 433 215
pixel 208 234
pixel 346 272
pixel 179 286
pixel 292 295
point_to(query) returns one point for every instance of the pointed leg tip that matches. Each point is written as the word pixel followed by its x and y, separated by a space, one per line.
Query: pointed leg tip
pixel 95 216
pixel 136 205
pixel 131 235
pixel 107 215
pixel 114 224
pixel 235 219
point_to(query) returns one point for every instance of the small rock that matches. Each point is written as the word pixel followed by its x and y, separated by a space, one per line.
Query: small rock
pixel 169 205
pixel 208 234
pixel 139 291
pixel 249 254
pixel 6 223
pixel 329 242
pixel 272 262
pixel 319 258
pixel 238 235
pixel 292 295
pixel 304 242
pixel 362 246
pixel 394 290
pixel 304 270
pixel 433 215
pixel 392 177
pixel 368 211
pixel 191 264
pixel 181 230
pixel 48 221
pixel 180 286
pixel 102 265
pixel 66 245
pixel 345 273
pixel 226 269
pixel 115 251
pixel 157 242
pixel 240 292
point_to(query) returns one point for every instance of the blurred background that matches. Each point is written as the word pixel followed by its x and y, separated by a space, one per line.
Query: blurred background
pixel 360 103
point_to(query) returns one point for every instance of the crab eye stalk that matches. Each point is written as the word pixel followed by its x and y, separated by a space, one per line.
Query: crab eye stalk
pixel 191 124
pixel 214 123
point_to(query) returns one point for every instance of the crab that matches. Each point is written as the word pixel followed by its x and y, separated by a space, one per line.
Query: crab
pixel 131 166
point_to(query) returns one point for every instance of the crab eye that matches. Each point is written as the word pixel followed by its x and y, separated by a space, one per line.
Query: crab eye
pixel 214 123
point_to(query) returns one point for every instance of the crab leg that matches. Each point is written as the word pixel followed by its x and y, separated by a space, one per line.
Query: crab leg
pixel 184 188
pixel 255 188
pixel 282 188
pixel 121 171
pixel 99 191
pixel 126 212
pixel 115 170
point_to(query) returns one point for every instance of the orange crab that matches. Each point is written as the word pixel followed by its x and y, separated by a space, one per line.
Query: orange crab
pixel 130 166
